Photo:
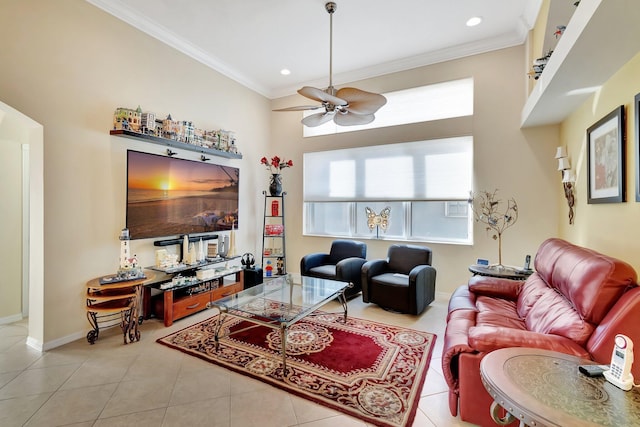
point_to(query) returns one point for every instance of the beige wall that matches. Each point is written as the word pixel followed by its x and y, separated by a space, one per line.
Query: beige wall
pixel 68 65
pixel 519 163
pixel 11 230
pixel 611 228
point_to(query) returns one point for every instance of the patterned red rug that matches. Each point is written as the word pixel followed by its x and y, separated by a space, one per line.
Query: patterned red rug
pixel 368 370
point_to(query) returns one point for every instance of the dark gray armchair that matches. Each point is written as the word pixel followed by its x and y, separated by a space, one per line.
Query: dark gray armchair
pixel 404 282
pixel 342 263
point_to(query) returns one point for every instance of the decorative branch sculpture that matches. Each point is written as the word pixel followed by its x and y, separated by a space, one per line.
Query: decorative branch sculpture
pixel 497 217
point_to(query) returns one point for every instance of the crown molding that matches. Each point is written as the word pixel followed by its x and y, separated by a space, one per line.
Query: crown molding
pixel 121 10
pixel 409 63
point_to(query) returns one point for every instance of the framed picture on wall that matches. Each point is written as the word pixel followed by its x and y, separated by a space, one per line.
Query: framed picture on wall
pixel 636 108
pixel 605 159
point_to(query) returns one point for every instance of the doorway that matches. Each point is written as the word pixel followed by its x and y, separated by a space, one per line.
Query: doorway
pixel 22 191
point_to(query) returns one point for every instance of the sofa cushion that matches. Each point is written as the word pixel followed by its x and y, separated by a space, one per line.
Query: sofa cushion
pixel 498 312
pixel 495 287
pixel 553 314
pixel 592 281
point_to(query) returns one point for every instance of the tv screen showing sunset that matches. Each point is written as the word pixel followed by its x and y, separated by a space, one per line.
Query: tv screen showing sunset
pixel 168 196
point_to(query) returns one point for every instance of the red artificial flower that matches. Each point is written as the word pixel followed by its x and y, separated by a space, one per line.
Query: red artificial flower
pixel 276 164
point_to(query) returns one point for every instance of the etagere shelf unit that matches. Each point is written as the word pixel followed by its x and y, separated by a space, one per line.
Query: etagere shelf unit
pixel 274 259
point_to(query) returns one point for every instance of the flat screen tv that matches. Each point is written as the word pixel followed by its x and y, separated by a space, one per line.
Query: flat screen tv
pixel 167 196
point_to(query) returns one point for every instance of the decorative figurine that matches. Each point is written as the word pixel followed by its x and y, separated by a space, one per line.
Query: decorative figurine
pixel 269 269
pixel 378 221
pixel 280 266
pixel 128 269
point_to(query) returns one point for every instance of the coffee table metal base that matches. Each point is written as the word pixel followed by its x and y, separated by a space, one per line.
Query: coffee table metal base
pixel 280 324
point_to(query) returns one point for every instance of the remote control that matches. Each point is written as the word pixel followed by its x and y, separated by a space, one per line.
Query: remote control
pixel 593 370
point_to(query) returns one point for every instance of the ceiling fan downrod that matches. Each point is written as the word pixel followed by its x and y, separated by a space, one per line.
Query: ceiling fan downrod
pixel 331 7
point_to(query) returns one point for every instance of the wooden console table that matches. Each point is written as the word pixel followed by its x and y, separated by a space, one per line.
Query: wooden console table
pixel 544 388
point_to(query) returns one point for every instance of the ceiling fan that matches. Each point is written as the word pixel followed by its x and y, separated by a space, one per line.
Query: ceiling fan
pixel 347 106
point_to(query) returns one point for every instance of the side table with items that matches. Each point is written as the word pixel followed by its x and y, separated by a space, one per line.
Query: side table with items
pixel 546 388
pixel 115 303
pixel 503 272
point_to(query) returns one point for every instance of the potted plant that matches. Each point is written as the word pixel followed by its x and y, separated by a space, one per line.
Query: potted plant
pixel 497 215
pixel 274 166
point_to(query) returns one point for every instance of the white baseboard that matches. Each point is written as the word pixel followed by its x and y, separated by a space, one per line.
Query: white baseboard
pixel 35 344
pixel 11 319
pixel 63 340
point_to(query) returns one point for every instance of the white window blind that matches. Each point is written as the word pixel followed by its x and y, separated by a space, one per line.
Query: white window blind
pixel 424 170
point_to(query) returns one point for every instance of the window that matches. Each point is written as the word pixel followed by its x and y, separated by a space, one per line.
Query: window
pixel 420 104
pixel 426 185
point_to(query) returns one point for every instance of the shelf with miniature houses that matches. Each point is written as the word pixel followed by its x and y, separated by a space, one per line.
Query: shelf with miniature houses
pixel 274 260
pixel 173 143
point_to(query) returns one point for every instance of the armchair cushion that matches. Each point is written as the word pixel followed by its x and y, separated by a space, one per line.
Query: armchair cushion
pixel 341 249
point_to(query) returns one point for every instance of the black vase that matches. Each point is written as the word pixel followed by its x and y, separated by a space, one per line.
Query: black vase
pixel 275 185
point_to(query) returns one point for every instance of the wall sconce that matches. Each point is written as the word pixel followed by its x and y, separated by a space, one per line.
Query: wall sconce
pixel 568 178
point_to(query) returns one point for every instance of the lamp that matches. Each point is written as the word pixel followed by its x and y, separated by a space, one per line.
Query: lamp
pixel 568 178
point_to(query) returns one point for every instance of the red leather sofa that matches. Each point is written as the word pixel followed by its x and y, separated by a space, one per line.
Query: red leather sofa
pixel 576 302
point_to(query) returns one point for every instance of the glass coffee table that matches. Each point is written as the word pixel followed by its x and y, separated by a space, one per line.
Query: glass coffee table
pixel 279 303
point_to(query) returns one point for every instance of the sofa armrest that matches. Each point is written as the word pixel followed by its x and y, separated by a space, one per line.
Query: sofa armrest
pixel 455 342
pixel 310 261
pixel 489 338
pixel 495 287
pixel 349 270
pixel 370 269
pixel 623 318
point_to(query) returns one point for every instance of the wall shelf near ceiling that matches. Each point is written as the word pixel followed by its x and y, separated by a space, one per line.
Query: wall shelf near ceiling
pixel 599 39
pixel 174 144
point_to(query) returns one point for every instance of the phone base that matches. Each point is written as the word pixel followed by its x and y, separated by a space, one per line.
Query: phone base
pixel 625 385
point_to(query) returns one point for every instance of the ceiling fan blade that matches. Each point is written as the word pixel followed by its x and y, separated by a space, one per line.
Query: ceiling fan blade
pixel 320 95
pixel 349 119
pixel 361 101
pixel 317 119
pixel 300 108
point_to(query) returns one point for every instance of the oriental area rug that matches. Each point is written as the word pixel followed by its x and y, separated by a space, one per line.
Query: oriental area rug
pixel 371 371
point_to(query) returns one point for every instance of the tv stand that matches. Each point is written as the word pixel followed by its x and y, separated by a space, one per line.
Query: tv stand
pixel 176 301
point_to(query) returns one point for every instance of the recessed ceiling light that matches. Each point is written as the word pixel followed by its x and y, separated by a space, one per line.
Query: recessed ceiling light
pixel 472 22
pixel 285 72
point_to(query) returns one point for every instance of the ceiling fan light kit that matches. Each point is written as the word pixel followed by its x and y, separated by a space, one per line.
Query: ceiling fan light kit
pixel 346 106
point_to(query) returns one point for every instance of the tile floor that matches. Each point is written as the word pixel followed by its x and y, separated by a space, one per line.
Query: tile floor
pixel 147 384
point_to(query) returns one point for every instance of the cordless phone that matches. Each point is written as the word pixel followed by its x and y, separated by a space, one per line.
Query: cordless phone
pixel 619 374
